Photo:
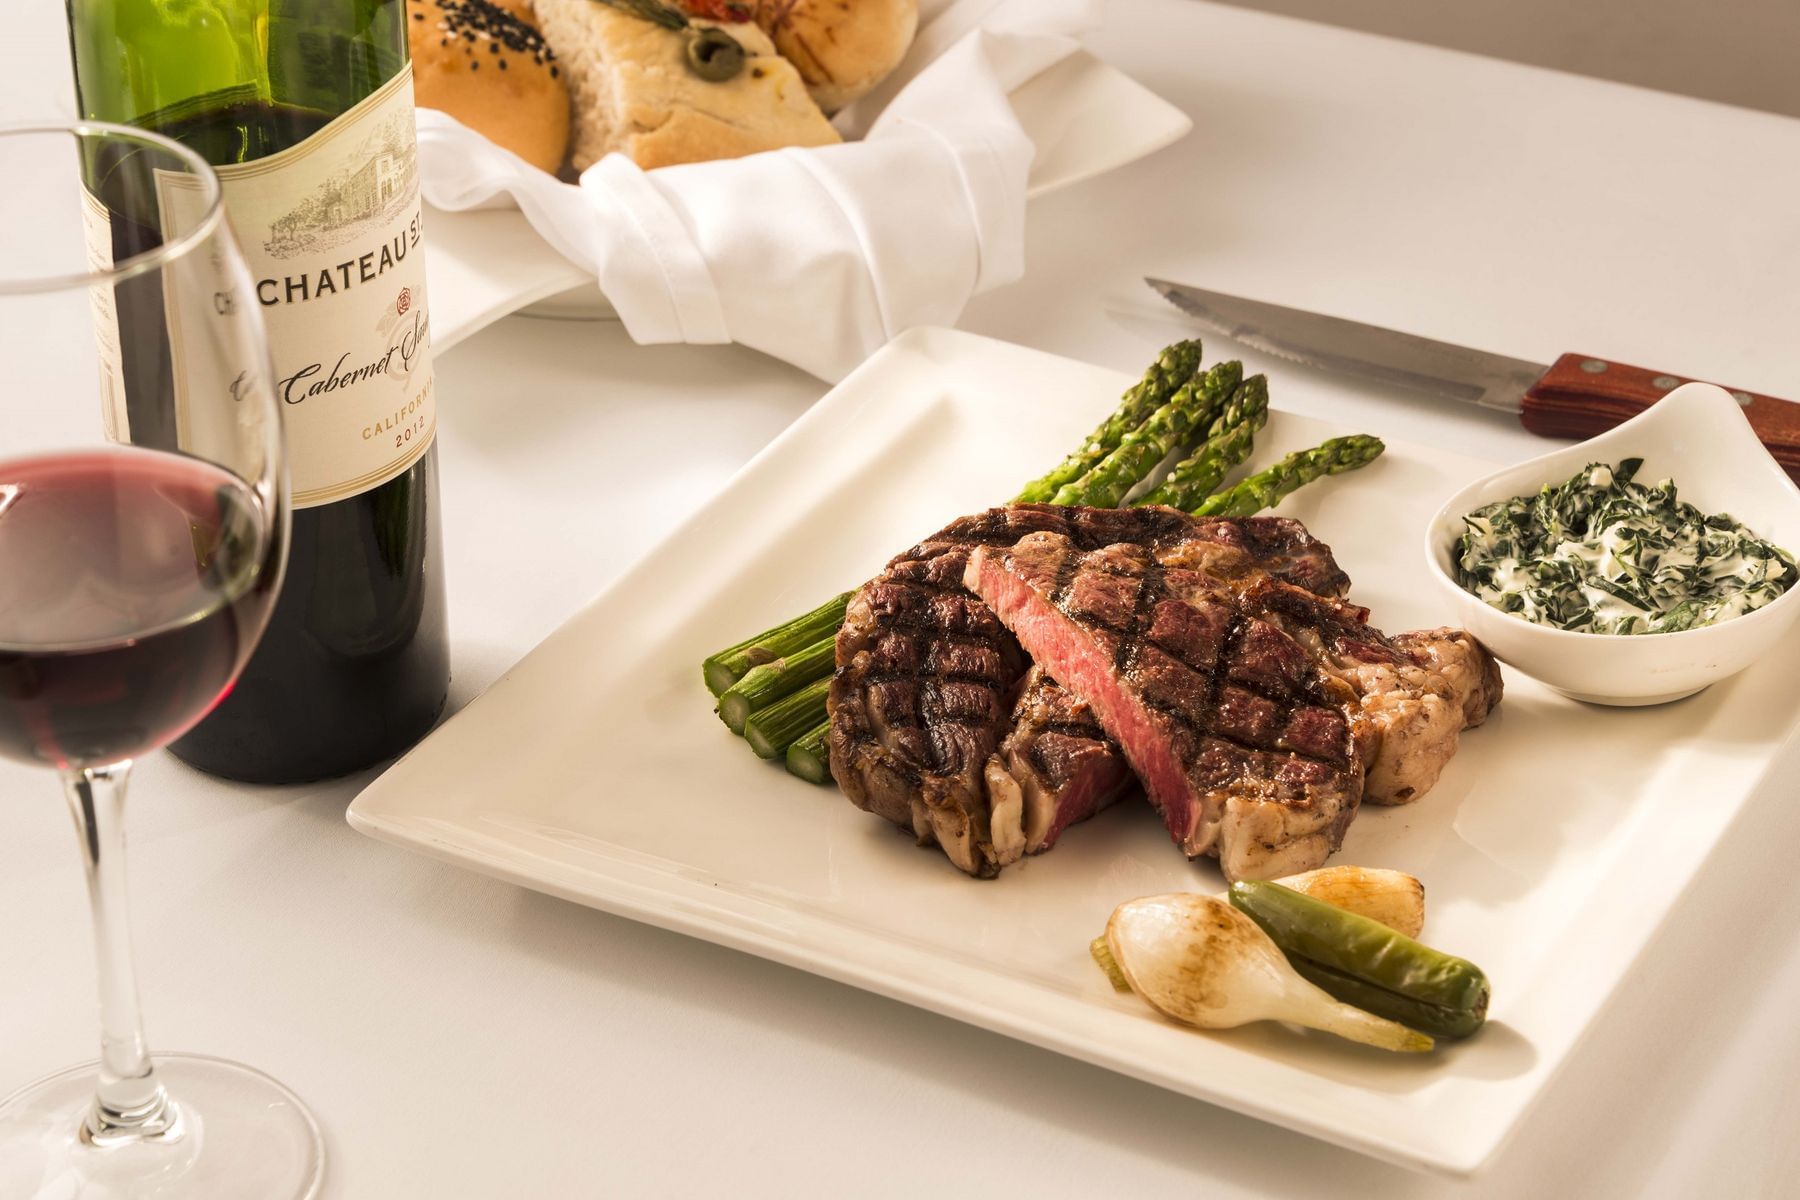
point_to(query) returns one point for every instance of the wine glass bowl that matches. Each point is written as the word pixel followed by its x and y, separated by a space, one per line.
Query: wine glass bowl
pixel 144 524
pixel 98 666
pixel 142 527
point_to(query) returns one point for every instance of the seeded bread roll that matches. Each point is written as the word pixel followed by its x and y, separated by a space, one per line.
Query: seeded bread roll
pixel 842 48
pixel 637 90
pixel 486 65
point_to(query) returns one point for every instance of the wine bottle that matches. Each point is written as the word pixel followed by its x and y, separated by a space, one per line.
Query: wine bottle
pixel 305 109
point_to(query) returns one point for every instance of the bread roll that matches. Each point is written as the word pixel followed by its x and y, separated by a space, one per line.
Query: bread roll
pixel 842 48
pixel 636 92
pixel 491 70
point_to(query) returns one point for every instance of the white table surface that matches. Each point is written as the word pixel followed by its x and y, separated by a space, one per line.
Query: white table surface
pixel 458 1037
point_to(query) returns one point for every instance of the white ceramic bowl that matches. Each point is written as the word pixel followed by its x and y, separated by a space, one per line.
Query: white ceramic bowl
pixel 1698 436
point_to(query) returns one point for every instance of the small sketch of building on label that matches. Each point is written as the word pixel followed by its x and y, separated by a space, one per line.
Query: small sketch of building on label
pixel 380 178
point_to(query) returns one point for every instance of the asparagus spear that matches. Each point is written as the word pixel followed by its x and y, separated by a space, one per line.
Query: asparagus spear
pixel 730 664
pixel 772 730
pixel 1194 406
pixel 1227 444
pixel 810 757
pixel 1173 367
pixel 764 684
pixel 1267 488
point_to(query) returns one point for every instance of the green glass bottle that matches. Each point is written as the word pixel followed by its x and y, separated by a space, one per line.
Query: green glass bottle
pixel 305 108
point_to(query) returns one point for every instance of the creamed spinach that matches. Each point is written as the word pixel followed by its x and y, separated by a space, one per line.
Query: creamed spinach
pixel 1600 553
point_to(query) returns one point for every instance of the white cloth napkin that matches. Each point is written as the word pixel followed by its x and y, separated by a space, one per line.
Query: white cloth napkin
pixel 815 256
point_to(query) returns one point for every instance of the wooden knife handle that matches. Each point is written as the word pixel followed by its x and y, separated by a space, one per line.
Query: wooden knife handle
pixel 1580 396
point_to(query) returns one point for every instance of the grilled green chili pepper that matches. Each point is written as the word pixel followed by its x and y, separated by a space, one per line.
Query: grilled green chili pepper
pixel 1435 1019
pixel 1363 962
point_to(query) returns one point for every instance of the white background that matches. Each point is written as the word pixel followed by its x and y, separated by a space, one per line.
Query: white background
pixel 459 1037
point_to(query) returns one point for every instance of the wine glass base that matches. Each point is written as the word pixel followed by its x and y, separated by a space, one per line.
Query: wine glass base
pixel 243 1135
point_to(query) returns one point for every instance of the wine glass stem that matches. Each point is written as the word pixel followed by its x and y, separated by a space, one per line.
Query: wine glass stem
pixel 129 1103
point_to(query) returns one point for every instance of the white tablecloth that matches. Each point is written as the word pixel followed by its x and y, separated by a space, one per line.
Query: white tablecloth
pixel 458 1037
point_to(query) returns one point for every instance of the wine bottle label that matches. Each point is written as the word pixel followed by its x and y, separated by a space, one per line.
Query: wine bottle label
pixel 96 224
pixel 331 229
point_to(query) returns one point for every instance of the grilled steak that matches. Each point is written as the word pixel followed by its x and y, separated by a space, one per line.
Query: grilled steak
pixel 927 677
pixel 1257 713
pixel 1241 742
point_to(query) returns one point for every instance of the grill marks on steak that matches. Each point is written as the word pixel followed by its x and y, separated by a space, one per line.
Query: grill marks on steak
pixel 1216 656
pixel 925 681
pixel 1241 743
pixel 924 694
pixel 926 674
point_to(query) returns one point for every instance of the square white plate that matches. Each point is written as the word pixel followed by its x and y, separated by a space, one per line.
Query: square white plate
pixel 596 771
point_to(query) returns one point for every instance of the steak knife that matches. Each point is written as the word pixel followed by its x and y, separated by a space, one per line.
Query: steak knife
pixel 1578 395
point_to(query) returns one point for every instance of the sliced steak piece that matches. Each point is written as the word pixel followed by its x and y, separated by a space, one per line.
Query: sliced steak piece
pixel 1055 768
pixel 1240 740
pixel 926 683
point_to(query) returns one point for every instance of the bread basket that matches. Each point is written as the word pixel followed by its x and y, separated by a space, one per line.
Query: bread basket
pixel 920 208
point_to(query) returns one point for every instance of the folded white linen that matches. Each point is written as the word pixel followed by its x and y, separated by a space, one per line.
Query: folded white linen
pixel 816 256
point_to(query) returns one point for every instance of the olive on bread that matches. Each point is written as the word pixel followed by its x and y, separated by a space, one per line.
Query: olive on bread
pixel 665 88
pixel 485 64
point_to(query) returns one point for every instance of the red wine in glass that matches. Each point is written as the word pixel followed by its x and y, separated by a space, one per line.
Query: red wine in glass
pixel 133 584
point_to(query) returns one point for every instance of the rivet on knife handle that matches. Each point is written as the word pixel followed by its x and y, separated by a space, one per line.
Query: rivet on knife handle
pixel 1580 396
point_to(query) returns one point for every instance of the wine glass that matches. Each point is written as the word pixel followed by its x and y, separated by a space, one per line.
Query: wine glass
pixel 143 532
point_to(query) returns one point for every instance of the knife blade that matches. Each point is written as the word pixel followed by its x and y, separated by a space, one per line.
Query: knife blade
pixel 1578 395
